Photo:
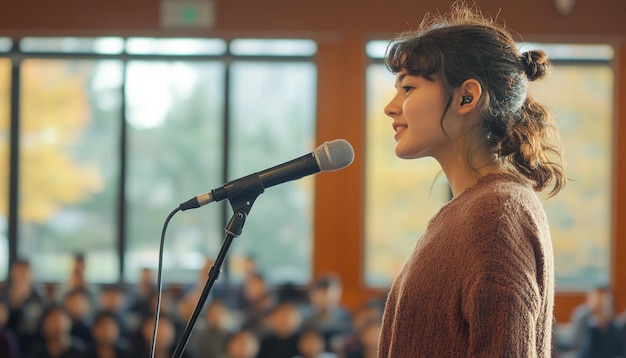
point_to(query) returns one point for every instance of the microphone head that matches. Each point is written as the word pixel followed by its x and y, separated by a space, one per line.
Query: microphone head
pixel 334 155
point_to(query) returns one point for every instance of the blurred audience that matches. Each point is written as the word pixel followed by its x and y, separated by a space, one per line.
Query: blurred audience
pixel 368 339
pixel 113 300
pixel 601 336
pixel 107 341
pixel 353 343
pixel 284 324
pixel 140 298
pixel 325 312
pixel 77 304
pixel 8 341
pixel 595 332
pixel 166 338
pixel 77 278
pixel 252 320
pixel 243 344
pixel 311 344
pixel 56 339
pixel 257 300
pixel 26 304
pixel 210 335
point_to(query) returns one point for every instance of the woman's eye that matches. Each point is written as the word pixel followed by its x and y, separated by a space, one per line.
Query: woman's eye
pixel 407 88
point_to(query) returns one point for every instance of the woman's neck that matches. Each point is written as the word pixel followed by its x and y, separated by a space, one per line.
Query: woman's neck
pixel 461 175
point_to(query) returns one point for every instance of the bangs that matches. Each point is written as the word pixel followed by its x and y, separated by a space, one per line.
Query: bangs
pixel 414 56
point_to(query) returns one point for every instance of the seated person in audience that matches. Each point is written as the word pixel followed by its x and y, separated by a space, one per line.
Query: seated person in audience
pixel 601 336
pixel 326 313
pixel 107 342
pixel 209 336
pixel 258 300
pixel 250 266
pixel 77 303
pixel 56 339
pixel 77 278
pixel 26 304
pixel 243 344
pixel 166 339
pixel 580 316
pixel 284 323
pixel 139 300
pixel 370 311
pixel 311 344
pixel 368 341
pixel 113 299
pixel 9 347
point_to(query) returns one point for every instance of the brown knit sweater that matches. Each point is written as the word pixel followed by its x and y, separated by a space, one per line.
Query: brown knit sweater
pixel 480 281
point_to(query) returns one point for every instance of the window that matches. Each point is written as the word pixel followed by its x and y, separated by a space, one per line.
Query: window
pixel 273 120
pixel 5 44
pixel 579 92
pixel 73 45
pixel 116 133
pixel 175 144
pixel 69 166
pixel 257 47
pixel 580 216
pixel 151 46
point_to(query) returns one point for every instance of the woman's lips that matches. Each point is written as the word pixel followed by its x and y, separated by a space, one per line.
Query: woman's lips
pixel 398 128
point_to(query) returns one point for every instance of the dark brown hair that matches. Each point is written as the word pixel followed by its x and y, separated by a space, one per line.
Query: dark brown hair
pixel 464 44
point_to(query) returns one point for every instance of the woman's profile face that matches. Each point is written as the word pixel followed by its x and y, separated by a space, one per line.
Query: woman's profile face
pixel 416 110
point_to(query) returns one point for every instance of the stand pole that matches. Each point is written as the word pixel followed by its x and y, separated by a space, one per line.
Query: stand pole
pixel 233 229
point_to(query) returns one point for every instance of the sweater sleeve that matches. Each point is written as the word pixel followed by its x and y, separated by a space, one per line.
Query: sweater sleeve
pixel 503 299
pixel 501 322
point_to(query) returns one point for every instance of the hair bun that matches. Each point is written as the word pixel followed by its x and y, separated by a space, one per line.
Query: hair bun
pixel 535 63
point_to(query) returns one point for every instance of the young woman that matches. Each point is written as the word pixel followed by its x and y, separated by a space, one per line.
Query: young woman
pixel 480 281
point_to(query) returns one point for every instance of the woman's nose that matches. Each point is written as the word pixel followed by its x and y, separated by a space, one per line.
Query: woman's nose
pixel 392 109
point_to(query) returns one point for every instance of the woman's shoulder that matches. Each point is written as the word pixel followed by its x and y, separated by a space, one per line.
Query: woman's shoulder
pixel 497 192
pixel 492 203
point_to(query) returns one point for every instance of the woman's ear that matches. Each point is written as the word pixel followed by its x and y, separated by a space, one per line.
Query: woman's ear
pixel 467 95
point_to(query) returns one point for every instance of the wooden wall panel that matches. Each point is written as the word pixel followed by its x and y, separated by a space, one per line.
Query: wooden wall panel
pixel 599 17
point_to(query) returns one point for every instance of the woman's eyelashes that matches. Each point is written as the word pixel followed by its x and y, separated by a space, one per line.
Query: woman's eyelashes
pixel 407 89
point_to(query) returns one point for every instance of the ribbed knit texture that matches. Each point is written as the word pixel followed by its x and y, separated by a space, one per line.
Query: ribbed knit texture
pixel 480 281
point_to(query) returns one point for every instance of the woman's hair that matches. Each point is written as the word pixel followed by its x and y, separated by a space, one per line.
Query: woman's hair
pixel 464 44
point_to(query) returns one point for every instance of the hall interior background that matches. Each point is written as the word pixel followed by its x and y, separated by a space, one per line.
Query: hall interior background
pixel 341 30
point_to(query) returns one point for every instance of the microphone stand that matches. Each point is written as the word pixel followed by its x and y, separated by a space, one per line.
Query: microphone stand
pixel 241 204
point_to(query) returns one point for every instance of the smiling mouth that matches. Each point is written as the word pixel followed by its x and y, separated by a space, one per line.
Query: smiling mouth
pixel 398 126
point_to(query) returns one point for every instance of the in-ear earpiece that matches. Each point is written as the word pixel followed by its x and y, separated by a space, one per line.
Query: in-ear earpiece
pixel 466 99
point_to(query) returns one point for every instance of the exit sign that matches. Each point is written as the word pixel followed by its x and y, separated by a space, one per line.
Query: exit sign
pixel 188 13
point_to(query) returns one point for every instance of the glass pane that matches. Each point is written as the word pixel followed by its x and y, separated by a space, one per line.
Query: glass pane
pixel 69 150
pixel 273 121
pixel 376 49
pixel 395 215
pixel 571 51
pixel 100 45
pixel 5 112
pixel 257 47
pixel 175 150
pixel 5 44
pixel 580 216
pixel 151 46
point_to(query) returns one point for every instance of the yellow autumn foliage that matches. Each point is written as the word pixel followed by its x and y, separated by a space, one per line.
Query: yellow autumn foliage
pixel 54 113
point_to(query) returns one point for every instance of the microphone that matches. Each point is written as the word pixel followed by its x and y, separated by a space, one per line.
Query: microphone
pixel 330 156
